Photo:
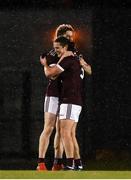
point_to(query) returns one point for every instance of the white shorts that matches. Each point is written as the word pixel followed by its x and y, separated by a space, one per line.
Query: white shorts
pixel 51 104
pixel 70 111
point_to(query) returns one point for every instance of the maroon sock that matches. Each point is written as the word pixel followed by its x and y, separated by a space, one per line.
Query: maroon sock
pixel 78 162
pixel 41 160
pixel 69 162
pixel 58 161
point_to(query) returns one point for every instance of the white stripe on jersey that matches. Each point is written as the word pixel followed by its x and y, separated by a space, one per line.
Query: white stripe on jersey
pixel 59 67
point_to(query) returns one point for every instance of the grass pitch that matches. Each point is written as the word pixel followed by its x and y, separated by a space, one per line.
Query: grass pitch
pixel 6 174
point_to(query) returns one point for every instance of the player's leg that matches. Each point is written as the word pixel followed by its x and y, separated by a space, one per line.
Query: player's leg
pixel 69 113
pixel 46 133
pixel 50 109
pixel 49 125
pixel 58 149
pixel 77 159
pixel 76 146
pixel 58 146
pixel 66 126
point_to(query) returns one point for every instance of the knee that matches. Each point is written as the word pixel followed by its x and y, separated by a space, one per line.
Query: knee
pixel 47 131
pixel 65 133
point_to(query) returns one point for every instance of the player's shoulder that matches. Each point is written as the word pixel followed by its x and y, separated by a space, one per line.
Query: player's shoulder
pixel 69 58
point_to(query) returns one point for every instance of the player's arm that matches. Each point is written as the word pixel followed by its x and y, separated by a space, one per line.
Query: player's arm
pixel 85 66
pixel 51 71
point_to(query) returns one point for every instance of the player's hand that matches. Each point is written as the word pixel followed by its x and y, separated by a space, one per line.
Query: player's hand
pixel 82 62
pixel 43 61
pixel 85 66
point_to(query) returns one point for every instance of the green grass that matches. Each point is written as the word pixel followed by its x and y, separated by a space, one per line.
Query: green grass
pixel 24 174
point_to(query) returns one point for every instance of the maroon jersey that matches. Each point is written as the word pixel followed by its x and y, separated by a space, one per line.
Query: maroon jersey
pixel 53 85
pixel 71 81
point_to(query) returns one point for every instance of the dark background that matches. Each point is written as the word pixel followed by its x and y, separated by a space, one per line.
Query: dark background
pixel 26 30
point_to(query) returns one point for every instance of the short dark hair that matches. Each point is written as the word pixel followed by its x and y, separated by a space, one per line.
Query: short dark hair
pixel 62 29
pixel 64 41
